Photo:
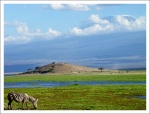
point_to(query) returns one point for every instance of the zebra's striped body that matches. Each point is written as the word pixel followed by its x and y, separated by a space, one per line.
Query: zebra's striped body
pixel 19 97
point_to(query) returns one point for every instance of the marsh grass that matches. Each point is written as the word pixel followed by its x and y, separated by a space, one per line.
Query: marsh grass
pixel 77 77
pixel 85 97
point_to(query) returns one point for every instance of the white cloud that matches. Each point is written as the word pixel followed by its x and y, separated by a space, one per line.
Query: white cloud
pixel 122 21
pixel 49 34
pixel 38 30
pixel 57 6
pixel 130 25
pixel 140 23
pixel 22 28
pixel 80 7
pixel 98 26
pixel 17 39
pixel 98 8
pixel 94 29
pixel 7 24
pixel 77 31
pixel 52 32
pixel 96 19
pixel 101 26
pixel 9 38
pixel 77 7
pixel 25 35
pixel 15 23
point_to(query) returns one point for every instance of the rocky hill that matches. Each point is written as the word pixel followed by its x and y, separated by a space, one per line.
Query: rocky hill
pixel 60 68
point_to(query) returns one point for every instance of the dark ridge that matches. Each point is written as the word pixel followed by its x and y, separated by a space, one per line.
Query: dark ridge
pixel 133 69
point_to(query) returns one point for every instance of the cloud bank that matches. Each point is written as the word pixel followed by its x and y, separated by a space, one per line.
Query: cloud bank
pixel 120 23
pixel 96 25
pixel 78 7
pixel 94 62
pixel 25 35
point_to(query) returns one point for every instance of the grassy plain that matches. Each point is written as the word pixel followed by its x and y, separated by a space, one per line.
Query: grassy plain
pixel 79 97
pixel 83 97
pixel 77 77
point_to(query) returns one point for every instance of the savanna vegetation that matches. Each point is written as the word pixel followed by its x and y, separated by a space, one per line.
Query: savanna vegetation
pixel 77 77
pixel 83 97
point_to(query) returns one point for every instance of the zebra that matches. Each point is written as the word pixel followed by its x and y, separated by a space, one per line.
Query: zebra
pixel 19 97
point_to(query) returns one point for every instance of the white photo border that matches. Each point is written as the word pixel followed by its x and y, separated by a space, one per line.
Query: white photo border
pixel 73 111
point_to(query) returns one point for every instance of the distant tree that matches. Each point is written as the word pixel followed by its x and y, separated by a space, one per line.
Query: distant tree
pixel 37 67
pixel 101 68
pixel 53 62
pixel 30 70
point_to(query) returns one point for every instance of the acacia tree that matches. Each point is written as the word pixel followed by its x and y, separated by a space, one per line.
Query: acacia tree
pixel 30 70
pixel 101 68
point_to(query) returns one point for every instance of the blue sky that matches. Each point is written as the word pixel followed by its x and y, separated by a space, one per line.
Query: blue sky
pixel 111 35
pixel 56 20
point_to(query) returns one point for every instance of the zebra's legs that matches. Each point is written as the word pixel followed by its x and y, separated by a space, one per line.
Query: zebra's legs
pixel 9 105
pixel 27 105
pixel 22 104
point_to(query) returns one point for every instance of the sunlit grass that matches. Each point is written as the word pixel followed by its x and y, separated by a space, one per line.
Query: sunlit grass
pixel 85 97
pixel 75 77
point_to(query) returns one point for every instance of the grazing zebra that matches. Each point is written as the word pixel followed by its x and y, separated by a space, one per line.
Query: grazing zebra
pixel 19 97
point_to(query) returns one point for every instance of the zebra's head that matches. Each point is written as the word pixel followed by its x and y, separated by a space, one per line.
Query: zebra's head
pixel 35 103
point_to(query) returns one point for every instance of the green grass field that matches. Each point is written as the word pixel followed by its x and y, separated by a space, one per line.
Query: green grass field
pixel 83 97
pixel 79 97
pixel 77 77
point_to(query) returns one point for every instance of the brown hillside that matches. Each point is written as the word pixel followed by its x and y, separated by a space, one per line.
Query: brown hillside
pixel 62 68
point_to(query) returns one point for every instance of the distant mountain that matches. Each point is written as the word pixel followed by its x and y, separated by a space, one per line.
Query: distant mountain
pixel 18 68
pixel 117 50
pixel 133 69
pixel 112 19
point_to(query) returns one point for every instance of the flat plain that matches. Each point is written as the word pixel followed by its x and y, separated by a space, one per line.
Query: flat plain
pixel 83 97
